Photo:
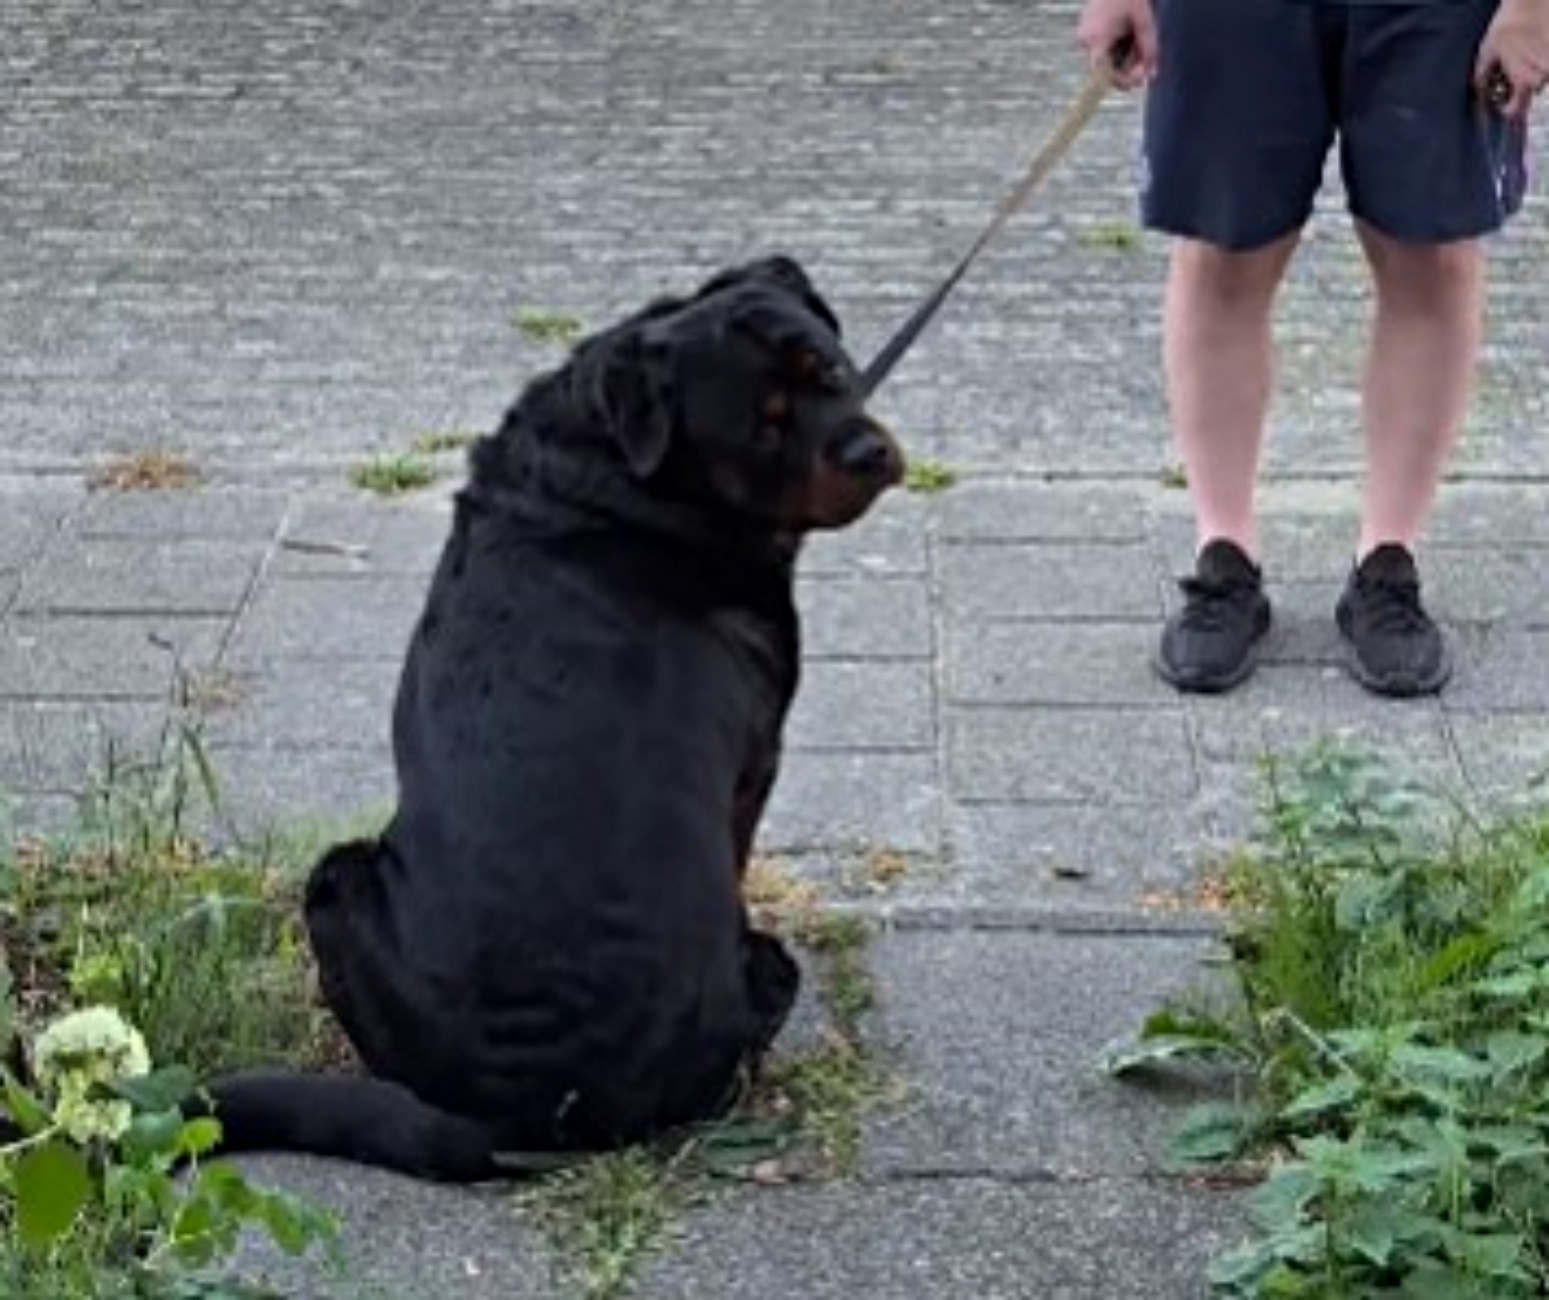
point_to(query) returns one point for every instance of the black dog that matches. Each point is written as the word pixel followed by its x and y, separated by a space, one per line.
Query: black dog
pixel 547 949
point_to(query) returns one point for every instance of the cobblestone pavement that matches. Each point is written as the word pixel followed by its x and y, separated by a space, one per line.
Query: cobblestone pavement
pixel 281 237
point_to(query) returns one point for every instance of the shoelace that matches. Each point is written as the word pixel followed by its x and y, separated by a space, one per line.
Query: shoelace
pixel 1392 605
pixel 1208 601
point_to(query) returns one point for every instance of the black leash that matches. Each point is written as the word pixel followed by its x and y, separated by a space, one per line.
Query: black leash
pixel 1080 112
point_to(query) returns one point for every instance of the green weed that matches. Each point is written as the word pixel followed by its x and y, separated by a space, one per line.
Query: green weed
pixel 928 476
pixel 1390 980
pixel 542 326
pixel 394 473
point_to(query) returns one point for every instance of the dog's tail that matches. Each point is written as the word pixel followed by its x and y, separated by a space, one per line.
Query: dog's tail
pixel 368 1121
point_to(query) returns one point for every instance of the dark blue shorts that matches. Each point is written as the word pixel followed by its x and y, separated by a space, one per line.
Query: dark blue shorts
pixel 1251 94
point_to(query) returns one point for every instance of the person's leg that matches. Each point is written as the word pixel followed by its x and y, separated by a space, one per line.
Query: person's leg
pixel 1237 127
pixel 1429 171
pixel 1218 357
pixel 1420 369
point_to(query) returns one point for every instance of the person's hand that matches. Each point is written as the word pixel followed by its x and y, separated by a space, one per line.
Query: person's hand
pixel 1109 27
pixel 1513 61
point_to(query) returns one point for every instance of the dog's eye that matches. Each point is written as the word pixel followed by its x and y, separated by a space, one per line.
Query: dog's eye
pixel 777 407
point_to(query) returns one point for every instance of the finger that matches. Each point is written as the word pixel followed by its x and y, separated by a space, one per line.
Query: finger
pixel 1147 46
pixel 1127 61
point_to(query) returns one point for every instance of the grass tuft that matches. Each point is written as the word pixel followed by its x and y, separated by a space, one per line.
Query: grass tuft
pixel 1114 236
pixel 928 476
pixel 440 442
pixel 543 326
pixel 394 473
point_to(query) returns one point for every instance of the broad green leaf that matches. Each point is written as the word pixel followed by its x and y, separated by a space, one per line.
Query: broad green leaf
pixel 1282 1199
pixel 1151 1052
pixel 1510 1051
pixel 192 1233
pixel 199 1137
pixel 1332 1094
pixel 1211 1134
pixel 52 1184
pixel 1498 1255
pixel 1448 1062
pixel 152 1134
pixel 1511 1143
pixel 161 1090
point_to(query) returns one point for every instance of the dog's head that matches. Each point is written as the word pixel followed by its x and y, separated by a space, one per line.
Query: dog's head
pixel 743 398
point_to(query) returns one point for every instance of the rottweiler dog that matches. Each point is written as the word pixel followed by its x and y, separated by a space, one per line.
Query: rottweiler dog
pixel 547 949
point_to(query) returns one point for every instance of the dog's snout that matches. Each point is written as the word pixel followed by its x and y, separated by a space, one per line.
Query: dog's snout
pixel 869 453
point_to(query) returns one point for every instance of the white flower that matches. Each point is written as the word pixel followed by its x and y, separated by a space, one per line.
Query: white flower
pixel 76 1053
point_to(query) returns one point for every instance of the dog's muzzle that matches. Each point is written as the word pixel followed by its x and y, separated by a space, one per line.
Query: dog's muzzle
pixel 868 452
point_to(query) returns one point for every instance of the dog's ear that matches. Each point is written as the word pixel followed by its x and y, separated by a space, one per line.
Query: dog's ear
pixel 630 382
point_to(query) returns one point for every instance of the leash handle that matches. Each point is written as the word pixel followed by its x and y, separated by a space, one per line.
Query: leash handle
pixel 1098 83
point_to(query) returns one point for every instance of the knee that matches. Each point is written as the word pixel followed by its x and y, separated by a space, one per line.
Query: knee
pixel 1426 278
pixel 1230 280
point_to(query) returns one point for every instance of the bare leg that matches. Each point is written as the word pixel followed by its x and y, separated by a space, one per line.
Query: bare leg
pixel 1420 371
pixel 1219 359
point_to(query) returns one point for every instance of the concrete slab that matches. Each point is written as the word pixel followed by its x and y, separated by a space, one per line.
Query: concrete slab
pixel 1117 1240
pixel 999 1035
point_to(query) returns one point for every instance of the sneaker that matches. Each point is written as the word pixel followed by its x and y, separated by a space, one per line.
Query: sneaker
pixel 1211 644
pixel 1395 648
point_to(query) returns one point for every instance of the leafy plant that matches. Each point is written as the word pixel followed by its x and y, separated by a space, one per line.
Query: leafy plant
pixel 134 911
pixel 88 1183
pixel 102 1185
pixel 1390 963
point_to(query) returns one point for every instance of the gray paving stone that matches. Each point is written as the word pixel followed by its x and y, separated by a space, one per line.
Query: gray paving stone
pixel 1504 756
pixel 1060 858
pixel 55 746
pixel 871 617
pixel 1016 510
pixel 338 535
pixel 329 618
pixel 94 657
pixel 1025 663
pixel 1500 670
pixel 31 514
pixel 225 513
pixel 1067 755
pixel 37 815
pixel 999 1035
pixel 1102 1240
pixel 134 576
pixel 865 704
pixel 1501 584
pixel 1296 707
pixel 846 799
pixel 307 704
pixel 266 791
pixel 1489 515
pixel 1042 580
pixel 401 1239
pixel 890 539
